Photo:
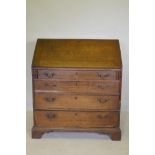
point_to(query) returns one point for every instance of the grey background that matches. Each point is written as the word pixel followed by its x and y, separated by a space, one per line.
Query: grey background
pixel 78 19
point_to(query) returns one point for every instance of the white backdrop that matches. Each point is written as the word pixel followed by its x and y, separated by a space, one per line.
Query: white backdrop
pixel 104 19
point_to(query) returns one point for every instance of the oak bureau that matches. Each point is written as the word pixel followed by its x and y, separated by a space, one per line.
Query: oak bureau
pixel 77 86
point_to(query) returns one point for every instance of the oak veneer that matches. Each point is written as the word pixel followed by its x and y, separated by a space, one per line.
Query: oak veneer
pixel 77 74
pixel 105 87
pixel 77 86
pixel 75 53
pixel 76 119
pixel 49 101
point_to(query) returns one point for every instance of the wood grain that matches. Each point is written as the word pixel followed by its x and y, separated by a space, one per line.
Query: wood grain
pixel 49 101
pixel 76 119
pixel 61 74
pixel 114 133
pixel 77 86
pixel 105 87
pixel 77 53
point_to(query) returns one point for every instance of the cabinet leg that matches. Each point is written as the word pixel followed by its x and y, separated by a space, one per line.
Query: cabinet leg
pixel 116 135
pixel 37 134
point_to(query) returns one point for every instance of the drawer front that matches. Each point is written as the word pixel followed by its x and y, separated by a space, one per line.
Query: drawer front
pixel 63 119
pixel 52 101
pixel 77 74
pixel 77 86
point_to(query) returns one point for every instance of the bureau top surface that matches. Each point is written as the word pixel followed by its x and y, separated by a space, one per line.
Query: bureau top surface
pixel 77 53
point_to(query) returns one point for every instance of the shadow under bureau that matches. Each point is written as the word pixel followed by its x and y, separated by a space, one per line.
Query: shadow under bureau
pixel 77 86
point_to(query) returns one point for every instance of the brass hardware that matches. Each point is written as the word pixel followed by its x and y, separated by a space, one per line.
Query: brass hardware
pixel 102 75
pixel 50 99
pixel 101 100
pixel 50 115
pixel 47 85
pixel 101 116
pixel 49 75
pixel 102 86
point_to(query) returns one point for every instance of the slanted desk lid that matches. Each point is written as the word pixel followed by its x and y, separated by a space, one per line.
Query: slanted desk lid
pixel 77 53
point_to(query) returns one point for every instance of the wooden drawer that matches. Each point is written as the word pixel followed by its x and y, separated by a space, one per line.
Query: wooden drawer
pixel 46 100
pixel 63 119
pixel 77 86
pixel 77 74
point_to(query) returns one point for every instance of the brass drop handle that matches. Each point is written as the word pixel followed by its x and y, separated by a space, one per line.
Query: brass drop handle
pixel 47 85
pixel 102 116
pixel 101 100
pixel 102 75
pixel 50 115
pixel 102 86
pixel 49 75
pixel 50 99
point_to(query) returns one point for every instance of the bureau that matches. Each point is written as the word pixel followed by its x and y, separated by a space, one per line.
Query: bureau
pixel 77 86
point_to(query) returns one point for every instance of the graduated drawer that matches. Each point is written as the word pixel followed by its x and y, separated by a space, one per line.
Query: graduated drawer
pixel 78 74
pixel 46 100
pixel 103 87
pixel 73 119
